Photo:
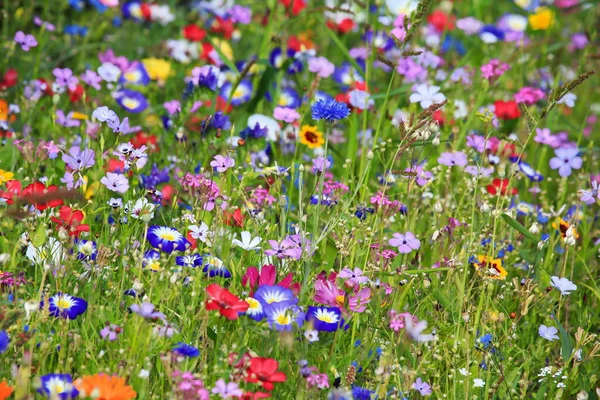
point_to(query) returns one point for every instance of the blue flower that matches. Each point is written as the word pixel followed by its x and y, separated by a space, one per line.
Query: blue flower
pixel 288 97
pixel 151 260
pixel 531 173
pixel 359 393
pixel 135 75
pixel 4 341
pixel 485 340
pixel 255 310
pixel 240 95
pixel 86 249
pixel 269 295
pixel 330 110
pixel 65 306
pixel 186 350
pixel 58 385
pixel 194 260
pixel 166 239
pixel 255 133
pixel 213 266
pixel 75 30
pixel 132 101
pixel 282 316
pixel 156 177
pixel 208 80
pixel 327 319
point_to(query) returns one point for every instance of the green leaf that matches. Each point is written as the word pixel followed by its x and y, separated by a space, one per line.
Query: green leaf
pixel 567 343
pixel 39 236
pixel 517 225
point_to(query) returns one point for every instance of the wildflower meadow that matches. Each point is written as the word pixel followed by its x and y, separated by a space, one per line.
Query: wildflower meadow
pixel 299 199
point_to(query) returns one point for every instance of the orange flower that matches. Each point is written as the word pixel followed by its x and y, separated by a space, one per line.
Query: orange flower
pixel 104 387
pixel 5 390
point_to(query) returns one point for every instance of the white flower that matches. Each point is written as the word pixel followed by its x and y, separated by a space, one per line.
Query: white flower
pixel 563 284
pixel 461 109
pixel 415 331
pixel 142 209
pixel 478 383
pixel 51 253
pixel 182 50
pixel 360 99
pixel 247 242
pixel 312 335
pixel 548 332
pixel 109 72
pixel 200 233
pixel 398 7
pixel 161 14
pixel 426 95
pixel 568 100
pixel 464 372
pixel 144 373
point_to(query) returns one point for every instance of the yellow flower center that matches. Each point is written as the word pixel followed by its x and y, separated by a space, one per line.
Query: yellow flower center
pixel 283 319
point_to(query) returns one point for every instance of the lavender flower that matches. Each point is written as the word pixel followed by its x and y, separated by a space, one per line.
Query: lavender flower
pixel 563 284
pixel 566 160
pixel 227 390
pixel 79 160
pixel 548 333
pixel 147 310
pixel 451 159
pixel 115 182
pixel 405 242
pixel 423 388
pixel 26 41
pixel 64 77
pixel 221 163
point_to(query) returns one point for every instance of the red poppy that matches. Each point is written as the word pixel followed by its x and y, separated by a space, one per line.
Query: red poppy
pixel 223 26
pixel 167 195
pixel 300 43
pixel 142 138
pixel 343 27
pixel 441 21
pixel 226 302
pixel 255 395
pixel 235 218
pixel 146 11
pixel 70 220
pixel 13 190
pixel 115 165
pixel 507 109
pixel 222 105
pixel 76 95
pixel 41 196
pixel 194 33
pixel 297 5
pixel 11 77
pixel 500 186
pixel 264 372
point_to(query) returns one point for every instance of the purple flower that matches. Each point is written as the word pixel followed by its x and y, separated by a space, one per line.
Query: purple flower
pixel 78 160
pixel 115 182
pixel 69 180
pixel 451 159
pixel 589 197
pixel 146 310
pixel 64 77
pixel 423 388
pixel 286 114
pixel 355 276
pixel 548 332
pixel 544 136
pixel 227 390
pixel 66 120
pixel 565 161
pixel 476 170
pixel 221 163
pixel 110 332
pixel 92 78
pixel 320 164
pixel 240 14
pixel 321 66
pixel 104 114
pixel 172 107
pixel 405 242
pixel 26 41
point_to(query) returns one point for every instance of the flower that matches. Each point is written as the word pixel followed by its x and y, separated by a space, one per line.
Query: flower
pixel 115 182
pixel 478 383
pixel 320 164
pixel 457 158
pixel 157 69
pixel 146 310
pixel 312 335
pixel 241 94
pixel 542 19
pixel 491 267
pixel 186 350
pixel 166 239
pixel 65 306
pixel 330 110
pixel 5 390
pixel 355 276
pixel 283 315
pixel 360 99
pixel 26 41
pixel 321 66
pixel 226 302
pixel 563 284
pixel 248 242
pixel 310 136
pixel 104 114
pixel 500 187
pixel 566 160
pixel 222 164
pixel 199 232
pixel 286 114
pixel 273 294
pixel 264 372
pixel 327 319
pixel 78 159
pixel 104 387
pixel 506 109
pixel 414 329
pixel 227 390
pixel 548 332
pixel 110 332
pixel 423 388
pixel 132 101
pixel 57 386
pixel 405 242
pixel 4 341
pixel 426 95
pixel 64 77
pixel 213 266
pixel 5 176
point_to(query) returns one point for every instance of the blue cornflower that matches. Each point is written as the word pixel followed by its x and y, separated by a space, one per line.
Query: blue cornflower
pixel 186 350
pixel 359 393
pixel 208 80
pixel 4 341
pixel 254 133
pixel 330 110
pixel 156 177
pixel 485 340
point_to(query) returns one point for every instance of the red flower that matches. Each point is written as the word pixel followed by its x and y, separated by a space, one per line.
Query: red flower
pixel 223 26
pixel 41 196
pixel 441 21
pixel 255 395
pixel 235 218
pixel 343 27
pixel 264 372
pixel 115 165
pixel 146 11
pixel 13 190
pixel 507 109
pixel 194 33
pixel 70 220
pixel 10 79
pixel 77 94
pixel 226 302
pixel 500 186
pixel 142 138
pixel 297 5
pixel 222 105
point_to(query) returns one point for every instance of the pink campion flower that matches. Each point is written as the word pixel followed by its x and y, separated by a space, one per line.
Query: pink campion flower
pixel 405 243
pixel 26 41
pixel 399 33
pixel 92 78
pixel 319 380
pixel 320 164
pixel 115 182
pixel 172 107
pixel 286 114
pixel 529 95
pixel 355 276
pixel 494 69
pixel 227 390
pixel 64 77
pixel 457 158
pixel 397 319
pixel 544 136
pixel 221 163
pixel 321 66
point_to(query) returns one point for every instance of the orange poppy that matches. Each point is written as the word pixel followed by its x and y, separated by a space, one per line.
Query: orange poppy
pixel 105 387
pixel 5 390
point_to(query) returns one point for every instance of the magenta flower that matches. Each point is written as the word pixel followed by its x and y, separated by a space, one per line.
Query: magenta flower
pixel 172 107
pixel 529 95
pixel 64 77
pixel 240 14
pixel 566 160
pixel 221 163
pixel 321 66
pixel 451 159
pixel 110 332
pixel 26 41
pixel 405 242
pixel 544 136
pixel 286 114
pixel 115 182
pixel 355 276
pixel 494 69
pixel 92 78
pixel 227 390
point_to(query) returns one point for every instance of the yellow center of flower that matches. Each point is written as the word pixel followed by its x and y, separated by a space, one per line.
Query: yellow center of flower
pixel 132 76
pixel 340 299
pixel 63 303
pixel 283 319
pixel 131 103
pixel 167 236
pixel 154 266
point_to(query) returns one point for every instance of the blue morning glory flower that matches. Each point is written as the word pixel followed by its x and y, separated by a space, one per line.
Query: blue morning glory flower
pixel 327 319
pixel 58 386
pixel 166 239
pixel 65 306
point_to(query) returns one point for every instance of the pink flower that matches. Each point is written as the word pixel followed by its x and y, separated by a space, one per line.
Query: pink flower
pixel 494 69
pixel 64 77
pixel 405 242
pixel 115 182
pixel 227 390
pixel 172 107
pixel 355 276
pixel 221 163
pixel 529 95
pixel 286 114
pixel 321 66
